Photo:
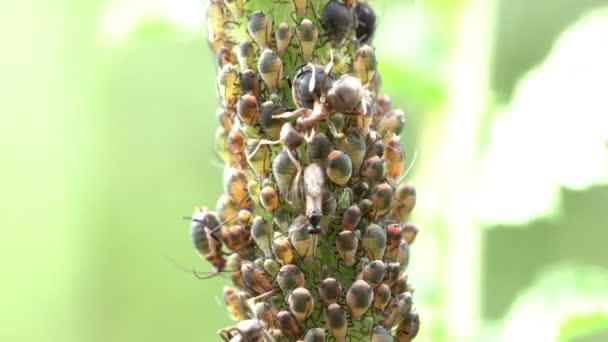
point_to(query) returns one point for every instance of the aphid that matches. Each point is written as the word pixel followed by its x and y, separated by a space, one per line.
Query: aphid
pixel 269 199
pixel 378 149
pixel 261 232
pixel 408 329
pixel 400 286
pixel 391 124
pixel 359 298
pixel 337 22
pixel 379 334
pixel 259 27
pixel 373 170
pixel 235 184
pixel 346 245
pixel 231 300
pixel 259 161
pixel 290 277
pixel 247 109
pixel 351 217
pixel 373 273
pixel 361 190
pixel 282 250
pixel 302 95
pixel 318 148
pixel 299 7
pixel 307 36
pixel 374 242
pixel 234 263
pixel 364 64
pixel 382 296
pixel 329 204
pixel 330 291
pixel 337 324
pixel 301 304
pixel 288 324
pixel 283 38
pixel 393 273
pixel 235 145
pixel 346 96
pixel 314 335
pixel 198 232
pixel 271 124
pixel 302 241
pixel 250 84
pixel 247 330
pixel 339 167
pixel 286 175
pixel 404 202
pixel 216 30
pixel 237 239
pixel 409 233
pixel 394 157
pixel 225 118
pixel 394 233
pixel 398 310
pixel 366 22
pixel 266 313
pixel 272 267
pixel 381 196
pixel 353 143
pixel 401 254
pixel 365 205
pixel 313 187
pixel 227 81
pixel 225 56
pixel 255 279
pixel 271 69
pixel 245 55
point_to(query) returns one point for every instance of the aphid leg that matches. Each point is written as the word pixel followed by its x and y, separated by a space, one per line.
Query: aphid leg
pixel 290 115
pixel 333 130
pixel 295 162
pixel 260 143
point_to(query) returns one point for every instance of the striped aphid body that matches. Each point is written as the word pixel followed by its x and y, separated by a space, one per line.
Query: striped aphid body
pixel 311 225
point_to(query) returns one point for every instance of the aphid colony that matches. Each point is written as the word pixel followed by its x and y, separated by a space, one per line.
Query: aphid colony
pixel 312 223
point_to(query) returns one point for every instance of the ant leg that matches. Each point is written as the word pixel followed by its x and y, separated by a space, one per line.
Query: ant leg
pixel 333 129
pixel 262 142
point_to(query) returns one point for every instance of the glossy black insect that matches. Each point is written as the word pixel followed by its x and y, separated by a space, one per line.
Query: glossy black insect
pixel 337 22
pixel 366 22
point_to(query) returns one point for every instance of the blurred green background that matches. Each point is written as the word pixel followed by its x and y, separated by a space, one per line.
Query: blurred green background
pixel 106 127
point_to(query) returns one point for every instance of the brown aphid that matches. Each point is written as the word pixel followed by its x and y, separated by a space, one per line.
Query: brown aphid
pixel 408 329
pixel 235 185
pixel 246 55
pixel 395 159
pixel 288 324
pixel 225 56
pixel 394 233
pixel 339 167
pixel 314 335
pixel 282 250
pixel 382 296
pixel 379 334
pixel 259 27
pixel 359 298
pixel 235 145
pixel 373 273
pixel 251 330
pixel 269 199
pixel 337 323
pixel 237 239
pixel 374 242
pixel 330 291
pixel 232 303
pixel 381 196
pixel 318 148
pixel 266 313
pixel 250 83
pixel 351 217
pixel 227 210
pixel 301 303
pixel 255 279
pixel 373 170
pixel 271 69
pixel 398 310
pixel 346 245
pixel 404 202
pixel 409 233
pixel 283 38
pixel 290 277
pixel 262 234
pixel 364 64
pixel 227 85
pixel 307 36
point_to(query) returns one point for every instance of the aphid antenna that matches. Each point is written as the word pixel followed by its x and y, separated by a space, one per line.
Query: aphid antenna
pixel 182 267
pixel 409 168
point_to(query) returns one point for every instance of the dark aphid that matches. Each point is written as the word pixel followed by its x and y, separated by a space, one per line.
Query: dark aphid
pixel 365 205
pixel 269 199
pixel 382 296
pixel 330 291
pixel 247 330
pixel 379 334
pixel 301 304
pixel 395 159
pixel 404 202
pixel 353 143
pixel 393 273
pixel 283 38
pixel 337 323
pixel 255 279
pixel 400 286
pixel 329 203
pixel 391 124
pixel 271 69
pixel 302 241
pixel 359 298
pixel 339 167
pixel 288 324
pixel 272 267
pixel 281 248
pixel 373 170
pixel 199 228
pixel 373 273
pixel 259 27
pixel 231 300
pixel 262 234
pixel 315 335
pixel 250 84
pixel 290 277
pixel 398 311
pixel 351 217
pixel 346 96
pixel 381 196
pixel 246 55
pixel 409 233
pixel 299 7
pixel 235 185
pixel 378 149
pixel 318 148
pixel 346 245
pixel 364 64
pixel 337 22
pixel 225 56
pixel 266 313
pixel 313 187
pixel 272 126
pixel 408 329
pixel 366 22
pixel 302 96
pixel 360 190
pixel 258 161
pixel 227 86
pixel 307 36
pixel 237 239
pixel 374 242
pixel 394 233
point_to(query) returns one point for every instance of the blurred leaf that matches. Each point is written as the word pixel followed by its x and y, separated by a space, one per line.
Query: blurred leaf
pixel 581 325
